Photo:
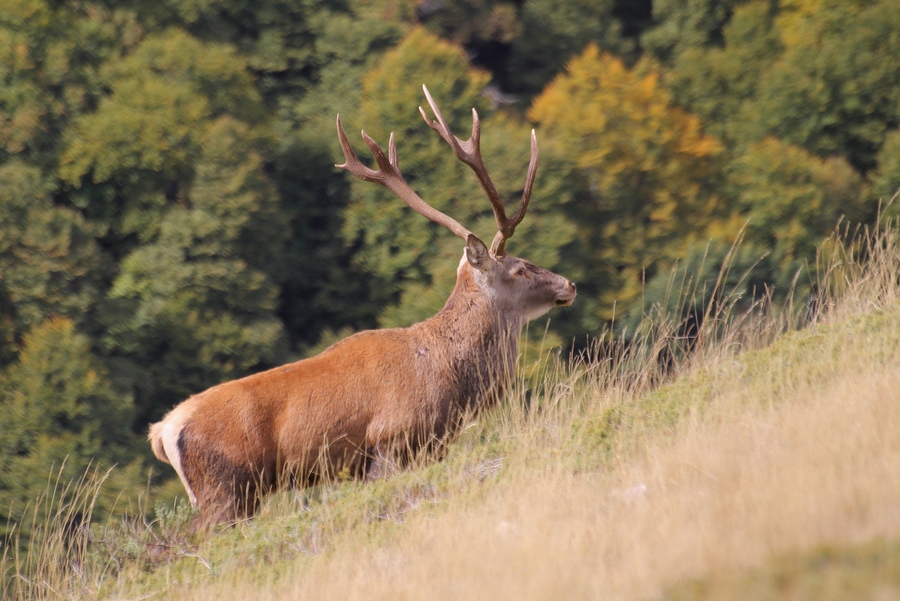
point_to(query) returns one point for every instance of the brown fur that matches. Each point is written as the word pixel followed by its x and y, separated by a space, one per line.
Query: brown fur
pixel 383 393
pixel 377 396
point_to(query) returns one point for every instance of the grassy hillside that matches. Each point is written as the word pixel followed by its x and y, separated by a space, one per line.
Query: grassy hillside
pixel 765 465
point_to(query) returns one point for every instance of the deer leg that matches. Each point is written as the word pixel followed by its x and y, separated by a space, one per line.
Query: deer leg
pixel 378 464
pixel 225 491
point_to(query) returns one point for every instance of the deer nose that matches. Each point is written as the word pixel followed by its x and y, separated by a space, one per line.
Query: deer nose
pixel 572 285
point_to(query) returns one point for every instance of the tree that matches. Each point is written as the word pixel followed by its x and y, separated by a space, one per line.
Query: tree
pixel 49 261
pixel 886 178
pixel 647 173
pixel 790 202
pixel 836 88
pixel 720 83
pixel 140 142
pixel 682 25
pixel 553 31
pixel 288 45
pixel 820 74
pixel 57 407
pixel 199 306
pixel 51 56
pixel 307 59
pixel 50 60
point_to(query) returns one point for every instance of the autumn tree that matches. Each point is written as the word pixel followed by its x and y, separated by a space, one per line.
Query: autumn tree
pixel 820 74
pixel 646 173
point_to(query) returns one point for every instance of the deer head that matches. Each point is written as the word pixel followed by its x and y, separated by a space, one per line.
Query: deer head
pixel 376 394
pixel 516 286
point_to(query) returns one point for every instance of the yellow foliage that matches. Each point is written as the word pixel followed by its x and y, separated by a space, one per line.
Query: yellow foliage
pixel 799 20
pixel 649 168
pixel 599 106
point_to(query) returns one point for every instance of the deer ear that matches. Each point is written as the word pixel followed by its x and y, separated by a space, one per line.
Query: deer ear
pixel 477 253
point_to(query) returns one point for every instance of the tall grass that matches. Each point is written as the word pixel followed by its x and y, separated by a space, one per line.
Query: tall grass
pixel 620 474
pixel 47 560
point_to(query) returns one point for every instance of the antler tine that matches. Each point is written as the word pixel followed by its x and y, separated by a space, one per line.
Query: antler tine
pixel 472 145
pixel 351 161
pixel 392 153
pixel 498 246
pixel 469 152
pixel 388 175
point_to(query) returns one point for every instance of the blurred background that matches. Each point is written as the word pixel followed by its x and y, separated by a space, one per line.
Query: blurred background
pixel 170 214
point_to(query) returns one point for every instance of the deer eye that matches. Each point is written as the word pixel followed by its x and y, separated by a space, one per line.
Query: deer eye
pixel 519 272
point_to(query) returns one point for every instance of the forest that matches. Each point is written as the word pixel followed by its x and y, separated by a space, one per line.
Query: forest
pixel 171 217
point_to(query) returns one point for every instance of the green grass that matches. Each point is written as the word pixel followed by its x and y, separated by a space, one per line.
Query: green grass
pixel 765 464
pixel 868 570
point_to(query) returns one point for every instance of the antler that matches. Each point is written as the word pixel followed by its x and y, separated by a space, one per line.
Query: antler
pixel 389 176
pixel 469 152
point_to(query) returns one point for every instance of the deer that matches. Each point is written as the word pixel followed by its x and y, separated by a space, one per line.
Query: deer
pixel 377 398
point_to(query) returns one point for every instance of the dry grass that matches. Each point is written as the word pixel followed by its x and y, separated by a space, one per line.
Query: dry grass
pixel 730 489
pixel 603 484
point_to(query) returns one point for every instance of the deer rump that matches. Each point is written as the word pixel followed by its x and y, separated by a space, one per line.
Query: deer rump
pixel 377 397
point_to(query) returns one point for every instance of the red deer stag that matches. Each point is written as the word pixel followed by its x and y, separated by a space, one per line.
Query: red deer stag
pixel 377 395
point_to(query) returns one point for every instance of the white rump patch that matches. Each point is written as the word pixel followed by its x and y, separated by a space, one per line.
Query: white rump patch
pixel 172 426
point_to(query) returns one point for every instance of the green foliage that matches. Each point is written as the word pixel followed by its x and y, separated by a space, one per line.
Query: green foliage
pixel 553 31
pixel 49 260
pixel 836 88
pixel 819 74
pixel 162 97
pixel 396 243
pixel 646 172
pixel 58 408
pixel 524 44
pixel 791 202
pixel 395 83
pixel 290 45
pixel 720 84
pixel 322 288
pixel 198 297
pixel 681 25
pixel 886 178
pixel 473 23
pixel 51 55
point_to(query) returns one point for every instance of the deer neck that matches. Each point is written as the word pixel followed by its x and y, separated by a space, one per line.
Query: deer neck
pixel 476 327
